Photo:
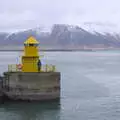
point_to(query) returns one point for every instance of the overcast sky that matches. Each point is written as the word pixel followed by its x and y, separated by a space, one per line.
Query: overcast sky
pixel 25 14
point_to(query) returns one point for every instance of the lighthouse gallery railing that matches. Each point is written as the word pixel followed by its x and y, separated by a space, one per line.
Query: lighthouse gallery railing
pixel 44 68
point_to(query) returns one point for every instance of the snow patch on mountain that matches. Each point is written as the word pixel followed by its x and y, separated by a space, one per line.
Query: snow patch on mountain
pixel 102 28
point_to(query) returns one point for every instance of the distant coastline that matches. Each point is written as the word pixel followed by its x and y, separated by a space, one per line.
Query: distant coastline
pixel 63 50
pixel 49 50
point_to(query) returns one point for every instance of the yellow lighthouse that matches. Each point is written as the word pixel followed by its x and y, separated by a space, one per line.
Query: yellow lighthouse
pixel 26 83
pixel 31 55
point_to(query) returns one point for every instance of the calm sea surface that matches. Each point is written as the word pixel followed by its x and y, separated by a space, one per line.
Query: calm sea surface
pixel 90 88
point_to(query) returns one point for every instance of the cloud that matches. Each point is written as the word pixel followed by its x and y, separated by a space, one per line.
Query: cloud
pixel 100 24
pixel 24 14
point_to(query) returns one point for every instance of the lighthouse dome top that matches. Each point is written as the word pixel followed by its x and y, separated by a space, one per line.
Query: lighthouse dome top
pixel 31 40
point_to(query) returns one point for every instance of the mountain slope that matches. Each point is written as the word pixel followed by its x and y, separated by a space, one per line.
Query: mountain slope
pixel 63 35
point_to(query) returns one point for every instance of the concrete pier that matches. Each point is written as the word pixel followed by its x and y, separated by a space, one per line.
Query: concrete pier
pixel 30 80
pixel 38 86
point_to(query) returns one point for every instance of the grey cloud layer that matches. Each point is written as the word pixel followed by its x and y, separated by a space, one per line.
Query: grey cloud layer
pixel 23 14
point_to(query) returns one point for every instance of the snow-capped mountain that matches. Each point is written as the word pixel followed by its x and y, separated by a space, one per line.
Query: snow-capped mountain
pixel 65 35
pixel 102 28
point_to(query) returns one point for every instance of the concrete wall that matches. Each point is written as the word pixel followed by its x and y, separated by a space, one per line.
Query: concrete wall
pixel 33 84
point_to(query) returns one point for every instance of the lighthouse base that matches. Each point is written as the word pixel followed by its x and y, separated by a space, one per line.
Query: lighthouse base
pixel 39 86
